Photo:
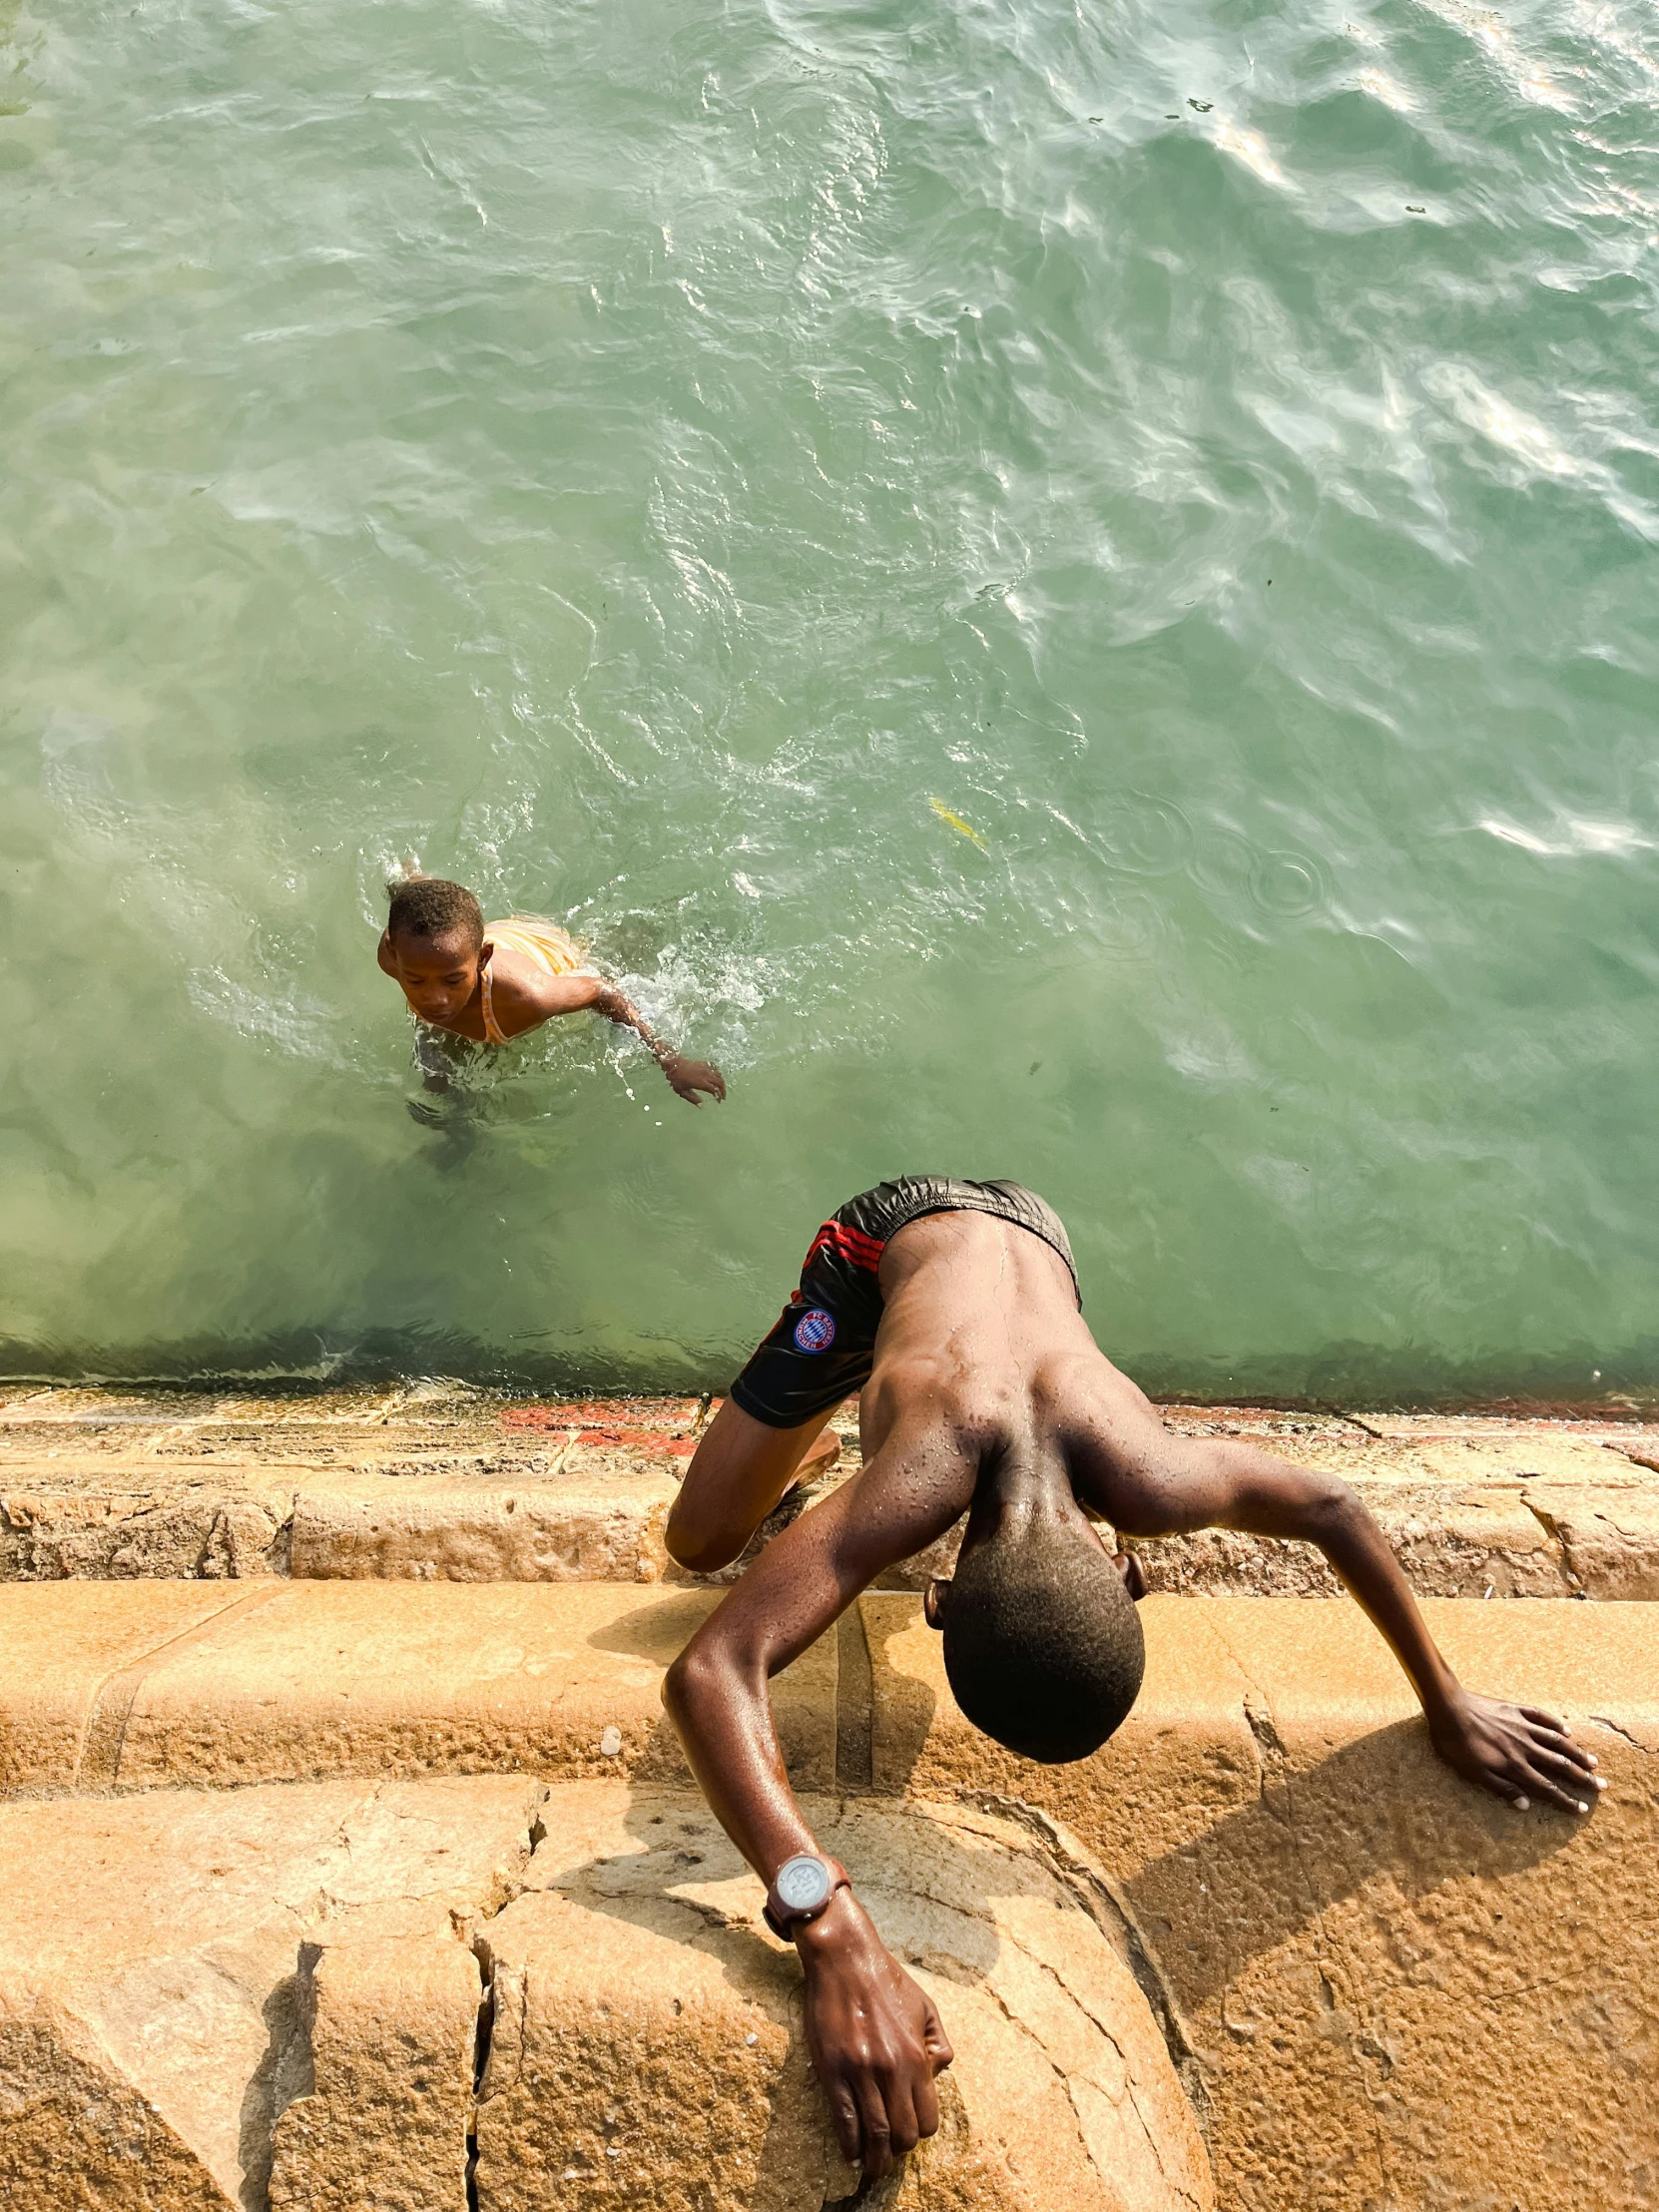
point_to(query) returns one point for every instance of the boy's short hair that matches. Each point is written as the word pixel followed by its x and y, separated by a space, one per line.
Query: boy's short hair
pixel 1042 1642
pixel 427 906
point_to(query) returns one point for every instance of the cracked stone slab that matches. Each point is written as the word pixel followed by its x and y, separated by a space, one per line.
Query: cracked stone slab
pixel 1609 1536
pixel 152 2032
pixel 647 2046
pixel 1395 1988
pixel 287 1997
pixel 386 2041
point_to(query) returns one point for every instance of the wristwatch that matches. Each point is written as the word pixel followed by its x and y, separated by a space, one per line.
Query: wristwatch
pixel 800 1890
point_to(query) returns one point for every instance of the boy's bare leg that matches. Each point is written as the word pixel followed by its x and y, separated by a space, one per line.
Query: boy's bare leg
pixel 741 1469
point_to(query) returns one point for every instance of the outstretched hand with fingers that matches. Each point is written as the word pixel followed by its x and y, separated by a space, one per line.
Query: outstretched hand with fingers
pixel 1520 1754
pixel 688 1077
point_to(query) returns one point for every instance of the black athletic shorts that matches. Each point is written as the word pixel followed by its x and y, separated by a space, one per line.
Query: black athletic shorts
pixel 824 1344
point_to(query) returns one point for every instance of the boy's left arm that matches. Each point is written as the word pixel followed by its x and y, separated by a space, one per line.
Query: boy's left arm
pixel 1182 1484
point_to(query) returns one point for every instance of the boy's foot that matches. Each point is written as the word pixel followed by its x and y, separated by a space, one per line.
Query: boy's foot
pixel 824 1453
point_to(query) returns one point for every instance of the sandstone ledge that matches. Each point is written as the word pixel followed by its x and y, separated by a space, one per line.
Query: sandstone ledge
pixel 438 1995
pixel 1390 1985
pixel 436 1485
pixel 148 1685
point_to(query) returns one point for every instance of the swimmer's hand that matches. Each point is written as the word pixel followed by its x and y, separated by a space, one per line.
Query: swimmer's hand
pixel 875 2036
pixel 428 1115
pixel 1516 1751
pixel 687 1077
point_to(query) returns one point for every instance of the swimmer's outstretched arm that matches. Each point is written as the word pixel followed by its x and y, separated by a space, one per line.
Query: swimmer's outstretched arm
pixel 876 2041
pixel 1149 1481
pixel 570 994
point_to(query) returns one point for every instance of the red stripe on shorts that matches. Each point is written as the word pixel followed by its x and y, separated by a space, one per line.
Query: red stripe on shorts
pixel 846 1244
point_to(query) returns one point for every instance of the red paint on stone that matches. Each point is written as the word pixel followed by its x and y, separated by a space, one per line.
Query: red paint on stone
pixel 639 1440
pixel 654 1416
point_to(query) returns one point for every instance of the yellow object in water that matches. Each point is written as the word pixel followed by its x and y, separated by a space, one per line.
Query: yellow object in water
pixel 956 822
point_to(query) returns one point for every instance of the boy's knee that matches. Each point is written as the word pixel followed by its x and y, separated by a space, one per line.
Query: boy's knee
pixel 699 1550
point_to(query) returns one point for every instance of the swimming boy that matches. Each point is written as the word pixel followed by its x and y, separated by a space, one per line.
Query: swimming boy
pixel 953 1308
pixel 491 981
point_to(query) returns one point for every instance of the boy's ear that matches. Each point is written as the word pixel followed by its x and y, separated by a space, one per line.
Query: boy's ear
pixel 933 1601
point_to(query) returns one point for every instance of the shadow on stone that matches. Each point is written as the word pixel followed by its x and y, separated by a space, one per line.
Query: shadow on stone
pixel 283 2073
pixel 1382 1807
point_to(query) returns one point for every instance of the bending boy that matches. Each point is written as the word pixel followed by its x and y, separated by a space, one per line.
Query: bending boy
pixel 954 1307
pixel 489 982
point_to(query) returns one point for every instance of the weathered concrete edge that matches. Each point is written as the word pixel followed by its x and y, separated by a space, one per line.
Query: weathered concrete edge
pixel 1488 1536
pixel 431 1481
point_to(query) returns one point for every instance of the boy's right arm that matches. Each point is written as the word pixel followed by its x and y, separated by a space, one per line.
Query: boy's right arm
pixel 435 1056
pixel 875 2040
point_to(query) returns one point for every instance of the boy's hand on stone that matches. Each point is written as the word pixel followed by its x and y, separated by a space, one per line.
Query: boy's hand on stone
pixel 688 1077
pixel 875 2036
pixel 1516 1752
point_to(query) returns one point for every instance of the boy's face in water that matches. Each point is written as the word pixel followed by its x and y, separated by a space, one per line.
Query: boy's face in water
pixel 438 975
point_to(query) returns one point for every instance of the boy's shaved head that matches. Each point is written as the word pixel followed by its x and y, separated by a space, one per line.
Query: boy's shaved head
pixel 427 906
pixel 1043 1644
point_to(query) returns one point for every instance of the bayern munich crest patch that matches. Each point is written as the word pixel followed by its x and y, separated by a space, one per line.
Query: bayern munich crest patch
pixel 814 1331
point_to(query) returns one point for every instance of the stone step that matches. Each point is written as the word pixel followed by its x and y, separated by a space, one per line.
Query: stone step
pixel 458 1487
pixel 144 1685
pixel 501 1994
pixel 1382 1984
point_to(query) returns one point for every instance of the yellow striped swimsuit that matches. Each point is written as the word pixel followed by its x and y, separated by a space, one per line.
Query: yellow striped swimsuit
pixel 538 940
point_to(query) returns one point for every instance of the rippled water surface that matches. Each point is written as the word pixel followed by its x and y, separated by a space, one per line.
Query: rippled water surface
pixel 662 462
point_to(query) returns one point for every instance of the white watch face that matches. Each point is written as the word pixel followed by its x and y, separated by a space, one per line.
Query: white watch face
pixel 803 1882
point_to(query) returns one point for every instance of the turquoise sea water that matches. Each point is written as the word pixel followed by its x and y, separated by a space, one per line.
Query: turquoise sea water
pixel 646 460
